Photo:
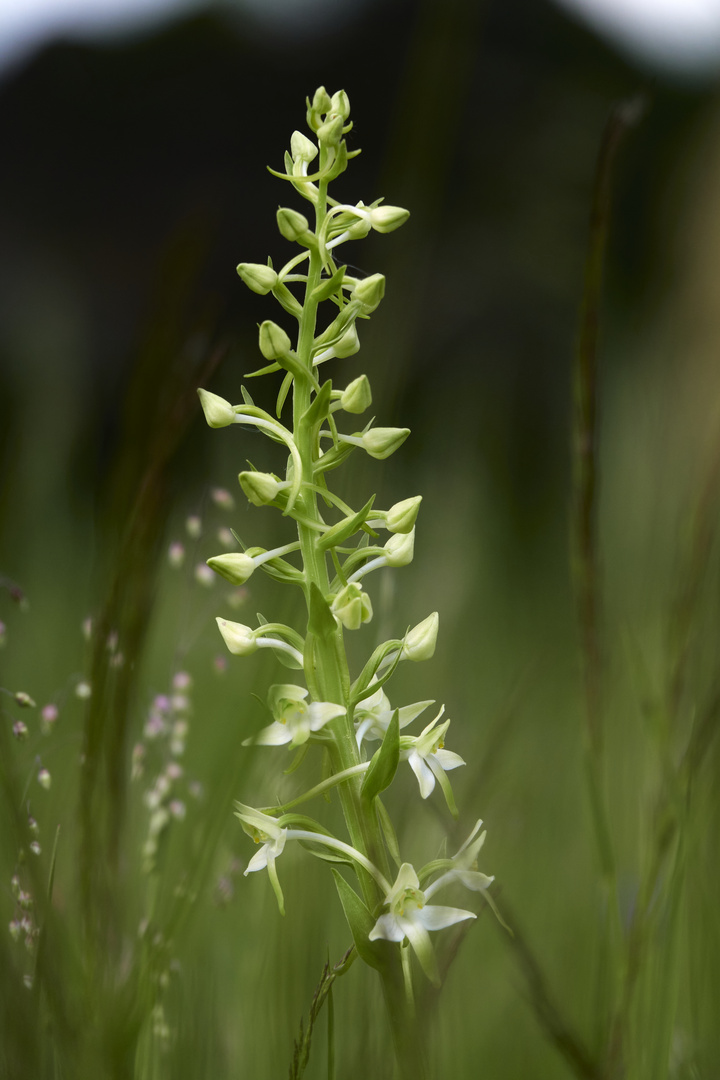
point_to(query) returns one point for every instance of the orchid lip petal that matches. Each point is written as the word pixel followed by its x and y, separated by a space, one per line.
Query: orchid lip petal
pixel 275 734
pixel 423 772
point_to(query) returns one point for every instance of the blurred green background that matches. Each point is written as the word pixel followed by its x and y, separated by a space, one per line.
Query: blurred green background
pixel 133 181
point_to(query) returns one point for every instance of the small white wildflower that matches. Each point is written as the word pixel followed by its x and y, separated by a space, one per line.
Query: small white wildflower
pixel 193 526
pixel 204 575
pixel 222 498
pixel 176 555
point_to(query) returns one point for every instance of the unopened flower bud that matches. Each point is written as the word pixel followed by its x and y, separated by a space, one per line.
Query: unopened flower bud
pixel 273 340
pixel 370 291
pixel 44 779
pixel 400 548
pixel 239 639
pixel 83 690
pixel 401 517
pixel 24 700
pixel 320 105
pixel 259 487
pixel 419 643
pixel 357 396
pixel 302 148
pixel 380 443
pixel 218 412
pixel 293 225
pixel 235 567
pixel 385 219
pixel 20 730
pixel 348 344
pixel 352 606
pixel 260 279
pixel 340 104
pixel 330 133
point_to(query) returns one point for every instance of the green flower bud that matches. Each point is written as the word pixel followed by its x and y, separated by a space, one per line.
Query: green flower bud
pixel 259 487
pixel 352 607
pixel 370 291
pixel 381 442
pixel 302 148
pixel 321 100
pixel 261 279
pixel 400 548
pixel 385 219
pixel 239 639
pixel 400 518
pixel 293 225
pixel 348 344
pixel 330 133
pixel 273 340
pixel 419 643
pixel 24 700
pixel 357 396
pixel 340 104
pixel 218 412
pixel 235 567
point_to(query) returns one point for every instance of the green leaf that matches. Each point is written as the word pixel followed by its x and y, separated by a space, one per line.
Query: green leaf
pixel 360 922
pixel 295 367
pixel 321 621
pixel 283 393
pixel 384 763
pixel 318 409
pixel 321 852
pixel 286 300
pixel 267 370
pixel 389 833
pixel 328 287
pixel 364 686
pixel 345 528
pixel 287 660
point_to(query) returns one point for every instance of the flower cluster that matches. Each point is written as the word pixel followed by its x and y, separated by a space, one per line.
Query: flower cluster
pixel 329 554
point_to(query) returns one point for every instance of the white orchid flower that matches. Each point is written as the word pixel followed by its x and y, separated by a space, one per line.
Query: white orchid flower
pixel 295 718
pixel 408 916
pixel 267 831
pixel 374 713
pixel 462 866
pixel 429 760
pixel 264 830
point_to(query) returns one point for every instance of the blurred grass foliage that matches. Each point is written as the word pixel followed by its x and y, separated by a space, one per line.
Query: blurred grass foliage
pixel 188 971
